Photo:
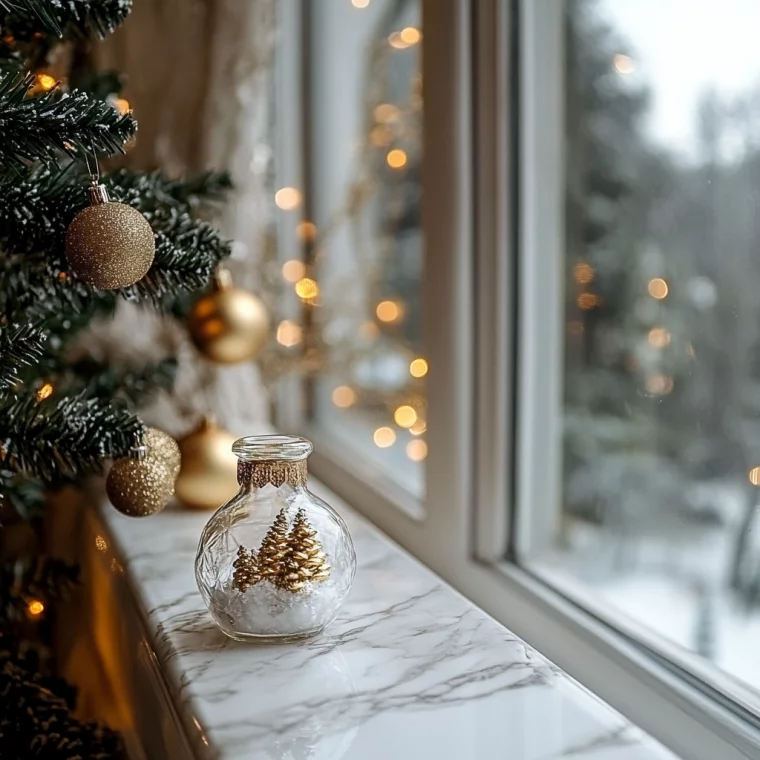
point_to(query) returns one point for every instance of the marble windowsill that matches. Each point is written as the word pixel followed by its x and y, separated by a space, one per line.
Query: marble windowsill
pixel 410 669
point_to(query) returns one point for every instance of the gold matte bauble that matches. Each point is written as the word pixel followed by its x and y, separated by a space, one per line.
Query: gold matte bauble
pixel 162 446
pixel 208 475
pixel 139 487
pixel 229 325
pixel 109 245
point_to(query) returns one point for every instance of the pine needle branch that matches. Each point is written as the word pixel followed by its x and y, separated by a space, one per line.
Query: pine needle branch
pixel 41 127
pixel 20 346
pixel 65 17
pixel 61 440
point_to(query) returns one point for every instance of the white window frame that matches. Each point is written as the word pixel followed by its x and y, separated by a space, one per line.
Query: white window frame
pixel 478 392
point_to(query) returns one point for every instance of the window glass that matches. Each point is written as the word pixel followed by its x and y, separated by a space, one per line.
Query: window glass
pixel 659 515
pixel 363 281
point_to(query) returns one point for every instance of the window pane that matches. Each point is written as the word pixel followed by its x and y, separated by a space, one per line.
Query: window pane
pixel 659 514
pixel 365 149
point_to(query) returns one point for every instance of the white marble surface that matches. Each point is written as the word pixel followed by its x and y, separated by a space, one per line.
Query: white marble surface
pixel 409 669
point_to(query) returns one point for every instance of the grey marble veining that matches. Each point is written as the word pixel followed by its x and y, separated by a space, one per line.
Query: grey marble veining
pixel 408 670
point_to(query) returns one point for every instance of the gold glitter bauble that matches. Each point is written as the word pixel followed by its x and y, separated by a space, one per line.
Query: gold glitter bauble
pixel 162 446
pixel 110 245
pixel 208 476
pixel 229 325
pixel 139 487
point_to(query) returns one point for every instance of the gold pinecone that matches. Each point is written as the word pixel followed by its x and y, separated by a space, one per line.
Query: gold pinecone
pixel 273 548
pixel 305 560
pixel 246 570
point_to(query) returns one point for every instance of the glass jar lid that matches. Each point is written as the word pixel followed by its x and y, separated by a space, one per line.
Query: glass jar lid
pixel 272 448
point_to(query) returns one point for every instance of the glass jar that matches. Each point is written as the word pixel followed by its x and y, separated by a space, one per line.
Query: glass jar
pixel 275 562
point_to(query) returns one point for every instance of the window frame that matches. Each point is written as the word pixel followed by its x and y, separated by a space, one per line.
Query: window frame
pixel 480 386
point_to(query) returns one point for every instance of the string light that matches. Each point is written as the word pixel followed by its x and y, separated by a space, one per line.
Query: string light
pixel 100 543
pixel 396 158
pixel 658 288
pixel 418 367
pixel 293 270
pixel 583 273
pixel 623 64
pixel 754 476
pixel 35 607
pixel 344 396
pixel 384 437
pixel 121 105
pixel 386 112
pixel 587 301
pixel 46 391
pixel 289 333
pixel 416 450
pixel 307 289
pixel 658 384
pixel 410 35
pixel 45 82
pixel 360 3
pixel 380 136
pixel 405 416
pixel 659 337
pixel 389 311
pixel 418 428
pixel 287 198
pixel 306 231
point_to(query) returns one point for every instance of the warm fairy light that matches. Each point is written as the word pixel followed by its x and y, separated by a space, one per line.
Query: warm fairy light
pixel 289 333
pixel 405 416
pixel 587 301
pixel 659 337
pixel 395 41
pixel 45 81
pixel 410 35
pixel 121 105
pixel 307 289
pixel 658 288
pixel 100 543
pixel 386 112
pixel 360 3
pixel 623 64
pixel 418 368
pixel 583 273
pixel 384 437
pixel 416 450
pixel 287 198
pixel 396 158
pixel 658 384
pixel 418 428
pixel 35 607
pixel 369 330
pixel 344 396
pixel 389 311
pixel 46 391
pixel 293 270
pixel 306 231
pixel 754 476
pixel 380 136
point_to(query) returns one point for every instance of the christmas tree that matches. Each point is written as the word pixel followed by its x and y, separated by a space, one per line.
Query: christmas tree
pixel 62 413
pixel 305 559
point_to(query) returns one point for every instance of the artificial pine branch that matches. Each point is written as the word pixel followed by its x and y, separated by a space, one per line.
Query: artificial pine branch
pixel 59 440
pixel 20 346
pixel 41 127
pixel 64 17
